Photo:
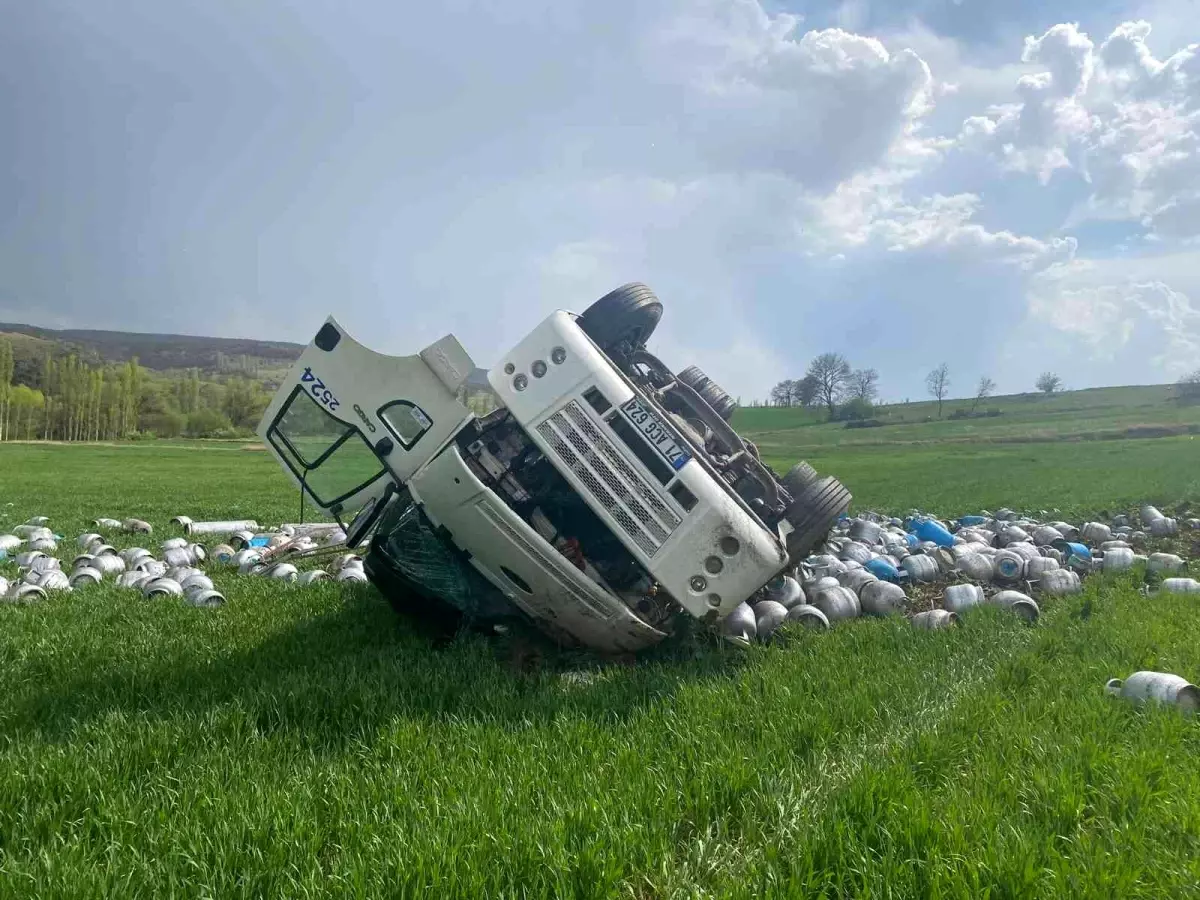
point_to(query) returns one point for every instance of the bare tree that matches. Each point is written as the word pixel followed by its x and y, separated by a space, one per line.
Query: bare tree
pixel 986 386
pixel 1188 387
pixel 830 373
pixel 795 392
pixel 784 393
pixel 806 391
pixel 864 384
pixel 1048 383
pixel 938 384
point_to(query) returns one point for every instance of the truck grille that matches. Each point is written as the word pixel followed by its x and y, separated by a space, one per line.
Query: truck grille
pixel 609 477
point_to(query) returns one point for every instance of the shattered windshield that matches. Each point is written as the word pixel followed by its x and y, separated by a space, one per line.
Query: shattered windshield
pixel 332 459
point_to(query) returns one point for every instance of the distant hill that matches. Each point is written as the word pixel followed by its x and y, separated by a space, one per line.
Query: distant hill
pixel 162 352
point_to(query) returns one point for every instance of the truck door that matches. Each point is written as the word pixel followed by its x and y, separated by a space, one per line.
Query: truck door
pixel 351 425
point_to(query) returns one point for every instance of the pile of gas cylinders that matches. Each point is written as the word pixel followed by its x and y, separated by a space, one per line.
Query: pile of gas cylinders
pixel 870 564
pixel 29 555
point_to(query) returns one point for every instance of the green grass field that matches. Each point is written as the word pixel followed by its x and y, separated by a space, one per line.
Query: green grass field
pixel 308 742
pixel 1100 412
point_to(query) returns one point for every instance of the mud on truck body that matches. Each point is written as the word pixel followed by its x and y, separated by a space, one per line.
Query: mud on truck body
pixel 602 498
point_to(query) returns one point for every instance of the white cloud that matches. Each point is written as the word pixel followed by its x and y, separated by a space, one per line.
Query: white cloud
pixel 816 191
pixel 816 108
pixel 785 190
pixel 581 263
pixel 963 84
pixel 871 213
pixel 1125 121
pixel 788 174
pixel 1142 325
pixel 1067 54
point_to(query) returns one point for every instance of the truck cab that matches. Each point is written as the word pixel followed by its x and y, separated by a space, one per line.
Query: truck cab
pixel 603 497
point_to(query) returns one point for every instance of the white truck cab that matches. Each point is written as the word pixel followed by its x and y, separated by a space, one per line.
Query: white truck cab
pixel 602 498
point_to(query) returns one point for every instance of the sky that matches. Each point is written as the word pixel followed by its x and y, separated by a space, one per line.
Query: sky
pixel 1006 187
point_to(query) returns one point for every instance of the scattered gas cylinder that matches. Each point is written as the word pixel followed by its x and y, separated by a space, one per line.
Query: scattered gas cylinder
pixel 935 619
pixel 1157 687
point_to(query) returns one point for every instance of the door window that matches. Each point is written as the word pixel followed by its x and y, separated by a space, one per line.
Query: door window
pixel 406 421
pixel 332 459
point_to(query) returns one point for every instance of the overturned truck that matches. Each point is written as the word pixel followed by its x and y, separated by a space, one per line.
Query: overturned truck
pixel 605 496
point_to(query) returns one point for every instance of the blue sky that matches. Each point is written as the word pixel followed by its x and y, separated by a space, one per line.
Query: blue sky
pixel 1006 187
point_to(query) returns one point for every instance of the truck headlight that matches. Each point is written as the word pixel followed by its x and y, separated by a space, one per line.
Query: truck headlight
pixel 538 368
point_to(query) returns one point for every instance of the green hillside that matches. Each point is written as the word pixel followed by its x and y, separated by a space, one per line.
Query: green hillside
pixel 1110 412
pixel 211 355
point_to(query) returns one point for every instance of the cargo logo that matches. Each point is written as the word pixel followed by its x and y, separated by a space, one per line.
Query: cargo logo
pixel 318 390
pixel 362 415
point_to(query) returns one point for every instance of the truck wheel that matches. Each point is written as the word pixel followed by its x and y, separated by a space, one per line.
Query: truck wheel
pixel 709 390
pixel 721 402
pixel 693 378
pixel 798 478
pixel 627 315
pixel 813 513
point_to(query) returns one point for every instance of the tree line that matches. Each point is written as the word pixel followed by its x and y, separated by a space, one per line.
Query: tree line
pixel 70 399
pixel 832 384
pixel 1188 387
pixel 829 382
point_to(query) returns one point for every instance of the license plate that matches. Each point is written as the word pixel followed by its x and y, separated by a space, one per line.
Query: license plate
pixel 656 433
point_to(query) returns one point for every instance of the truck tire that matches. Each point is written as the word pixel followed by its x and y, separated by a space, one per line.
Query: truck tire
pixel 627 316
pixel 721 402
pixel 693 378
pixel 813 514
pixel 798 478
pixel 712 394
